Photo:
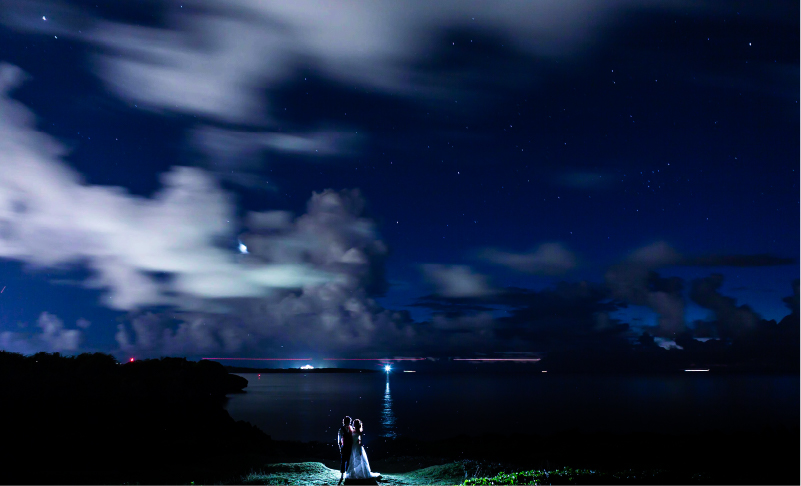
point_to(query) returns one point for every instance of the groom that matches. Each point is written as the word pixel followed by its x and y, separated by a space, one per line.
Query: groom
pixel 345 442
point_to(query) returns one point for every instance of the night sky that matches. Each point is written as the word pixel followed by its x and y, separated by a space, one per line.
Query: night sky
pixel 383 179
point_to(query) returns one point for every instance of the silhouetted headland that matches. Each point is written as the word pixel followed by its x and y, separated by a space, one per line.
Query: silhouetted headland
pixel 90 419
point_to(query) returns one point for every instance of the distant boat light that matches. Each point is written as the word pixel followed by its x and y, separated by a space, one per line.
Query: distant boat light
pixel 307 367
pixel 408 371
pixel 544 371
pixel 696 370
pixel 387 368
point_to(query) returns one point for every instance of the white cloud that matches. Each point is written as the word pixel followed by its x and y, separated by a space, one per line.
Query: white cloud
pixel 53 337
pixel 306 280
pixel 335 314
pixel 233 146
pixel 547 259
pixel 457 281
pixel 50 217
pixel 216 59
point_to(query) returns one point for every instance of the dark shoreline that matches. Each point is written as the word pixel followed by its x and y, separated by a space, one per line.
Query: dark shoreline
pixel 90 420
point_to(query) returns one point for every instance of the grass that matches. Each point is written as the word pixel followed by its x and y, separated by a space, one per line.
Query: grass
pixel 586 476
pixel 293 473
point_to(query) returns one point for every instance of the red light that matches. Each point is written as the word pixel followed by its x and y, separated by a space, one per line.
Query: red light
pixel 131 360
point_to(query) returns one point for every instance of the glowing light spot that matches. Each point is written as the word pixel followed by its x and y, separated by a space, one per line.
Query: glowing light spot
pixel 387 368
pixel 131 360
pixel 307 367
pixel 409 371
pixel 696 370
pixel 242 248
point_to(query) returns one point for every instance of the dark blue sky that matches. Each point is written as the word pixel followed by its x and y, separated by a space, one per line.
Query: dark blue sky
pixel 596 144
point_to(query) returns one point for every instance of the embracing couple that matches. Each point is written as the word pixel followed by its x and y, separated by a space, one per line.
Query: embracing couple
pixel 353 464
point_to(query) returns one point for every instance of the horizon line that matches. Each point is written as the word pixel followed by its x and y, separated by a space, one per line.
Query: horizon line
pixel 266 359
pixel 496 359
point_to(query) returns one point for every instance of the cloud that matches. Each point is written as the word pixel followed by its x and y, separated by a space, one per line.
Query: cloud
pixel 338 315
pixel 49 217
pixel 567 315
pixel 761 260
pixel 661 254
pixel 729 319
pixel 307 281
pixel 218 60
pixel 235 156
pixel 456 281
pixel 792 302
pixel 225 145
pixel 548 259
pixel 635 282
pixel 654 255
pixel 53 337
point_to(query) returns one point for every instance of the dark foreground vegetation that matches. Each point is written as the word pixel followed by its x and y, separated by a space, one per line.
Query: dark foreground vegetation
pixel 89 420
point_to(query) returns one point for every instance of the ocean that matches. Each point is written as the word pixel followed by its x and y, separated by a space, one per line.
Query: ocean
pixel 310 407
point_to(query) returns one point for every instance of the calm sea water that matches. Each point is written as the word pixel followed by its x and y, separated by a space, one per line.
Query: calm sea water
pixel 434 406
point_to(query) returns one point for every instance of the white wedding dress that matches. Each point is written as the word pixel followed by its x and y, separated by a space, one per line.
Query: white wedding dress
pixel 359 466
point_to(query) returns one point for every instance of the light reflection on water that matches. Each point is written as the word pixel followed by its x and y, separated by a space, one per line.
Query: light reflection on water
pixel 387 416
pixel 438 406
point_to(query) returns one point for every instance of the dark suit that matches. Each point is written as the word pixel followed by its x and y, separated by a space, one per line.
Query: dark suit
pixel 345 442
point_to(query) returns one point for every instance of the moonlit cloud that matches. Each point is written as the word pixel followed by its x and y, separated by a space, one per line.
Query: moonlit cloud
pixel 49 217
pixel 547 259
pixel 53 337
pixel 337 313
pixel 217 59
pixel 456 281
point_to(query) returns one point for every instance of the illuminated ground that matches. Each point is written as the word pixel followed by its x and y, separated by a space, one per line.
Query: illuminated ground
pixel 317 473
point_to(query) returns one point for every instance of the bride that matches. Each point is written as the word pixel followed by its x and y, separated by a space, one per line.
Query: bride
pixel 358 466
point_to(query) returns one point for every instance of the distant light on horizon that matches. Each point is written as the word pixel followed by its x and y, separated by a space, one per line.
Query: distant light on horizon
pixel 307 367
pixel 544 371
pixel 264 359
pixel 409 371
pixel 131 360
pixel 373 359
pixel 696 370
pixel 498 359
pixel 387 368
